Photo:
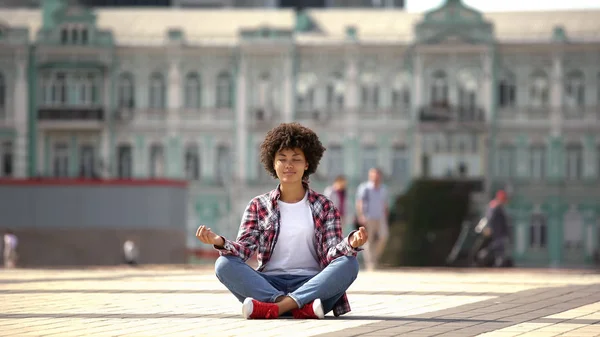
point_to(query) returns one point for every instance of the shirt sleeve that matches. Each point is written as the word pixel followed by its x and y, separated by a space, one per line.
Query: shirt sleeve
pixel 246 242
pixel 334 243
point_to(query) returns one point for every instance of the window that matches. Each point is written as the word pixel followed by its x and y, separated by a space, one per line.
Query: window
pixel 305 88
pixel 6 159
pixel 537 231
pixel 336 89
pixel 59 89
pixel 192 162
pixel 192 91
pixel 74 34
pixel 335 161
pixel 264 91
pixel 539 90
pixel 125 161
pixel 86 88
pixel 574 90
pixel 538 162
pixel 60 160
pixel 261 172
pixel 506 161
pixel 224 91
pixel 224 163
pixel 369 97
pixel 126 91
pixel 2 95
pixel 157 91
pixel 439 88
pixel 157 161
pixel 574 162
pixel 87 161
pixel 369 159
pixel 467 90
pixel 399 163
pixel 507 90
pixel 401 91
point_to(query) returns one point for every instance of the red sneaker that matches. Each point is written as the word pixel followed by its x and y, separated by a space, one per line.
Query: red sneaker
pixel 253 309
pixel 312 310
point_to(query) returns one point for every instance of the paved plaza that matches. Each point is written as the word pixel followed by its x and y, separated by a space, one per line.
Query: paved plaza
pixel 167 301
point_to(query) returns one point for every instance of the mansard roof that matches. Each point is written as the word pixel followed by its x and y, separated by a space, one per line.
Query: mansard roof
pixel 150 26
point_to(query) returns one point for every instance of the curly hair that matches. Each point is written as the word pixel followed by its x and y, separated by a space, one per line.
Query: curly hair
pixel 291 136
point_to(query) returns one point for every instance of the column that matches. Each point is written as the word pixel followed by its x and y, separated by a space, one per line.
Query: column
pixel 289 87
pixel 590 231
pixel 242 120
pixel 556 94
pixel 487 95
pixel 173 155
pixel 21 113
pixel 417 101
pixel 106 168
pixel 352 143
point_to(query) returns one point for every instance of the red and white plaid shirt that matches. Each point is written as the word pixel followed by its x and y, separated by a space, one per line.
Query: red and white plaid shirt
pixel 260 227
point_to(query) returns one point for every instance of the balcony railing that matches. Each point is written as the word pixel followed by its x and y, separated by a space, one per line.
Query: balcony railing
pixel 71 114
pixel 443 113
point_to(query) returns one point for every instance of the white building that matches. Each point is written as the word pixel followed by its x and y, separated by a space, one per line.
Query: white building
pixel 510 98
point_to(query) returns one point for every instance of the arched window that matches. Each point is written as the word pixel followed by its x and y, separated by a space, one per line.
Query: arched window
pixel 369 94
pixel 157 161
pixel 439 88
pixel 574 89
pixel 192 162
pixel 305 91
pixel 539 89
pixel 192 97
pixel 467 89
pixel 336 89
pixel 401 91
pixel 224 90
pixel 507 90
pixel 157 91
pixel 126 91
pixel 125 161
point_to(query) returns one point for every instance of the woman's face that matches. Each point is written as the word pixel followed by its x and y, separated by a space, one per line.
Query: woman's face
pixel 290 165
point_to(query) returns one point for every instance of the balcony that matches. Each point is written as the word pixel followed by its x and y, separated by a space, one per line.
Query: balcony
pixel 261 117
pixel 71 117
pixel 387 114
pixel 443 116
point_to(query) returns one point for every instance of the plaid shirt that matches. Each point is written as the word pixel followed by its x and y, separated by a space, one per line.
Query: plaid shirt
pixel 260 227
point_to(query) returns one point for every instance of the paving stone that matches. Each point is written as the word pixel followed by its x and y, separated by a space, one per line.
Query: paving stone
pixel 191 302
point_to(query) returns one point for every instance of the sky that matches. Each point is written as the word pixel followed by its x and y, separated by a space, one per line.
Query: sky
pixel 507 5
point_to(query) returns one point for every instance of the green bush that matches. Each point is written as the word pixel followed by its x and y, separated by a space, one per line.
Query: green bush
pixel 426 221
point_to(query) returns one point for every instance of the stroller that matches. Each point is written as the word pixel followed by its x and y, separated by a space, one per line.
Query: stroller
pixel 473 247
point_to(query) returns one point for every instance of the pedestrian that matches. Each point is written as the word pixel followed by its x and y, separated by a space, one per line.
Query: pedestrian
pixel 372 213
pixel 10 249
pixel 336 192
pixel 305 265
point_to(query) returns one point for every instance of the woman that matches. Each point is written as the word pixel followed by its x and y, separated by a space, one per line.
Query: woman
pixel 305 265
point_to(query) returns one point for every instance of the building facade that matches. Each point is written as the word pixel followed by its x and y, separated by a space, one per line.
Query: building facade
pixel 510 99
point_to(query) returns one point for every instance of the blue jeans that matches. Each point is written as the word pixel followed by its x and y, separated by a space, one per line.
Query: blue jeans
pixel 329 285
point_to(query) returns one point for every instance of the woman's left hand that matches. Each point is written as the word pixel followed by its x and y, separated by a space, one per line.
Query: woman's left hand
pixel 359 237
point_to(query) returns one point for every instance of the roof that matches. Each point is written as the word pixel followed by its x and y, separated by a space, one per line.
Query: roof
pixel 150 25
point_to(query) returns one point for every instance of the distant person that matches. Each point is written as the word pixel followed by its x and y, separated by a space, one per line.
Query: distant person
pixel 338 195
pixel 372 213
pixel 10 249
pixel 131 252
pixel 498 229
pixel 305 265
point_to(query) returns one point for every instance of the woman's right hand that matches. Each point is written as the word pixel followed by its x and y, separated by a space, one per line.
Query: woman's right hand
pixel 205 235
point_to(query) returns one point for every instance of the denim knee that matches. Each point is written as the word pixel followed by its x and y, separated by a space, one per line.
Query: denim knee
pixel 224 265
pixel 350 266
